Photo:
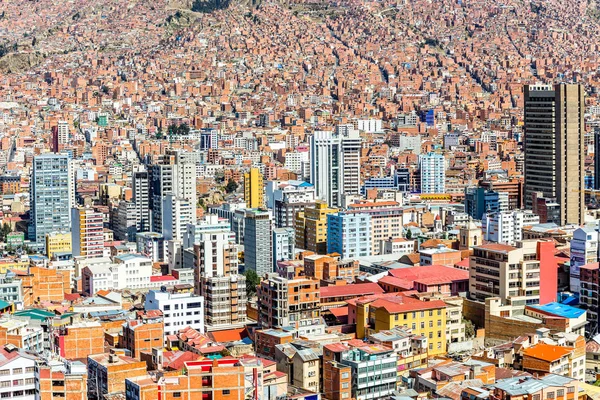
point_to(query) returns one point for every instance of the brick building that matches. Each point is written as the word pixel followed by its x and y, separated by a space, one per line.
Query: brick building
pixel 107 373
pixel 78 340
pixel 143 335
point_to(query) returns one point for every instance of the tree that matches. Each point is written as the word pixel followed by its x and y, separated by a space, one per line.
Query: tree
pixel 252 280
pixel 469 329
pixel 231 186
pixel 4 231
pixel 408 234
pixel 183 129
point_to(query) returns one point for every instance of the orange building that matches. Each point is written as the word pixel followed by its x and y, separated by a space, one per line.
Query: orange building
pixel 108 371
pixel 337 378
pixel 141 336
pixel 79 340
pixel 223 379
pixel 44 284
pixel 266 340
pixel 58 384
pixel 330 268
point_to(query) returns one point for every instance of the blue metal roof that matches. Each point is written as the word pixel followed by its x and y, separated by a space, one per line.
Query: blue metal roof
pixel 561 310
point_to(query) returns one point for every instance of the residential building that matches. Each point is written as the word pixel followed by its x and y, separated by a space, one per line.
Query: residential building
pixel 254 189
pixel 589 294
pixel 584 250
pixel 434 379
pixel 60 379
pixel 177 214
pixel 288 199
pixel 288 302
pixel 87 233
pixel 527 271
pixel 567 361
pixel 51 198
pixel 283 244
pixel 440 255
pixel 44 284
pixel 21 334
pixel 142 335
pixel 218 379
pixel 432 168
pixel 386 221
pixel 330 268
pixel 18 373
pixel 141 201
pixel 550 386
pixel 78 340
pixel 348 234
pixel 546 207
pixel 311 228
pixel 258 246
pixel 398 246
pixel 507 227
pixel 58 242
pixel 384 312
pixel 479 201
pixel 335 164
pixel 373 371
pixel 554 156
pixel 514 188
pixel 214 259
pixel 179 310
pixel 265 341
pixel 107 373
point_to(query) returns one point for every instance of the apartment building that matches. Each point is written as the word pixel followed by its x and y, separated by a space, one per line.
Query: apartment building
pixel 507 227
pixel 87 232
pixel 567 361
pixel 528 271
pixel 142 335
pixel 288 302
pixel 584 250
pixel 550 386
pixel 348 234
pixel 107 373
pixel 180 310
pixel 17 376
pixel 78 340
pixel 330 268
pixel 254 189
pixel 311 228
pixel 58 242
pixel 60 379
pixel 386 221
pixel 384 312
pixel 589 294
pixel 373 371
pixel 227 378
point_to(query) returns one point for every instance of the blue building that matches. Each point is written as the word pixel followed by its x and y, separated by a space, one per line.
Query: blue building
pixel 51 197
pixel 433 173
pixel 349 234
pixel 479 201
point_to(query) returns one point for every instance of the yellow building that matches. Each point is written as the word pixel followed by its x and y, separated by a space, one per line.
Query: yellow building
pixel 384 312
pixel 7 264
pixel 57 242
pixel 254 190
pixel 311 227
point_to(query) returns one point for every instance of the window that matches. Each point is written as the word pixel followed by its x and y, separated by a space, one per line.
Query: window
pixel 17 370
pixel 226 391
pixel 550 395
pixel 560 392
pixel 176 394
pixel 345 375
pixel 345 385
pixel 4 372
pixel 536 397
pixel 571 389
pixel 422 325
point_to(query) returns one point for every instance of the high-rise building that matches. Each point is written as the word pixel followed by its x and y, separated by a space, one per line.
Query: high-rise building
pixel 173 175
pixel 254 189
pixel 597 157
pixel 349 234
pixel 433 173
pixel 527 271
pixel 286 198
pixel 479 201
pixel 507 227
pixel 257 241
pixel 177 214
pixel 141 199
pixel 554 143
pixel 311 227
pixel 288 302
pixel 50 196
pixel 584 250
pixel 283 244
pixel 335 164
pixel 214 257
pixel 88 232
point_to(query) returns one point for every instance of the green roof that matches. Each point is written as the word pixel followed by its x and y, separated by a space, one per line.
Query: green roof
pixel 4 305
pixel 35 314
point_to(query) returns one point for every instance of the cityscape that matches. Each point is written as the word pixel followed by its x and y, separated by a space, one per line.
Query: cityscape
pixel 299 200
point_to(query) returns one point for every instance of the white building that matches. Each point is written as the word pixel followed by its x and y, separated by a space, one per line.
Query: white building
pixel 433 173
pixel 177 214
pixel 370 125
pixel 335 163
pixel 17 373
pixel 399 246
pixel 584 250
pixel 506 227
pixel 180 310
pixel 32 337
pixel 128 271
pixel 295 159
pixel 413 143
pixel 283 244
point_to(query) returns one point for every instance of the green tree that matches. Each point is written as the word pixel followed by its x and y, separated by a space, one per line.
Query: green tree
pixel 469 329
pixel 231 186
pixel 183 129
pixel 159 133
pixel 408 233
pixel 252 280
pixel 4 231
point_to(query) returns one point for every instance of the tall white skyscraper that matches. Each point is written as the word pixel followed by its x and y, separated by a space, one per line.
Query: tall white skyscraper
pixel 433 173
pixel 335 163
pixel 177 214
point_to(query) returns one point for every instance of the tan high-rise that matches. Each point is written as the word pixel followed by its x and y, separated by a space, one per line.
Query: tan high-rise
pixel 553 143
